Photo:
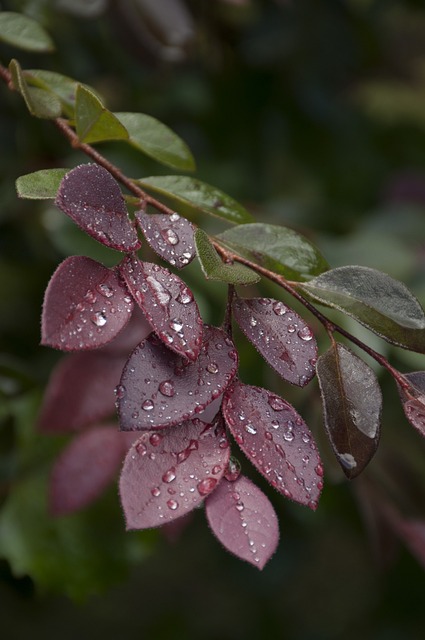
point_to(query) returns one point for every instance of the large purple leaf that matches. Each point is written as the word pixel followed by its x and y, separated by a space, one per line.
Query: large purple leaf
pixel 158 388
pixel 244 521
pixel 352 403
pixel 282 337
pixel 167 474
pixel 170 236
pixel 92 198
pixel 80 391
pixel 276 440
pixel 167 303
pixel 85 468
pixel 85 306
pixel 414 402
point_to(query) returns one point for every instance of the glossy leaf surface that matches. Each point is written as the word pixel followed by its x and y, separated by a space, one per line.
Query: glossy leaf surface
pixel 85 306
pixel 84 469
pixel 198 197
pixel 244 521
pixel 214 268
pixel 92 198
pixel 276 248
pixel 159 388
pixel 167 474
pixel 94 123
pixel 414 401
pixel 380 303
pixel 167 303
pixel 352 403
pixel 170 236
pixel 282 337
pixel 276 440
pixel 40 185
pixel 40 103
pixel 80 391
pixel 24 32
pixel 157 140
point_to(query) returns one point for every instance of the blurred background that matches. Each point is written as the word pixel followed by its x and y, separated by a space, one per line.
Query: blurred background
pixel 311 113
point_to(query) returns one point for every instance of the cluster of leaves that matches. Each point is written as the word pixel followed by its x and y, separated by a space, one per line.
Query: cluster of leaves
pixel 179 385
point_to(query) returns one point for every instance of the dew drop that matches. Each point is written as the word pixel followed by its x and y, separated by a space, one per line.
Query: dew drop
pixel 319 470
pixel 305 333
pixel 167 388
pixel 155 439
pixel 240 506
pixel 99 319
pixel 156 491
pixel 291 328
pixel 170 236
pixel 212 367
pixel 169 475
pixel 276 403
pixel 105 290
pixel 141 448
pixel 253 322
pixel 90 296
pixel 172 504
pixel 185 296
pixel 176 324
pixel 305 437
pixel 161 292
pixel 147 405
pixel 249 428
pixel 120 391
pixel 206 486
pixel 279 308
pixel 233 470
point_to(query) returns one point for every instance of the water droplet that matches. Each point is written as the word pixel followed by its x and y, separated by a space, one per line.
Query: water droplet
pixel 276 403
pixel 288 433
pixel 105 290
pixel 275 424
pixel 147 405
pixel 90 296
pixel 174 217
pixel 172 504
pixel 166 337
pixel 268 435
pixel 253 322
pixel 161 292
pixel 156 491
pixel 206 486
pixel 169 475
pixel 291 328
pixel 233 470
pixel 167 388
pixel 240 505
pixel 185 296
pixel 155 439
pixel 212 367
pixel 170 236
pixel 176 324
pixel 120 391
pixel 99 319
pixel 305 333
pixel 319 470
pixel 141 448
pixel 249 428
pixel 216 469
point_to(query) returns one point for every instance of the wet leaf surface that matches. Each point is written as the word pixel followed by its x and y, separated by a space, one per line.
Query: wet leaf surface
pixel 158 388
pixel 352 404
pixel 244 521
pixel 85 306
pixel 92 198
pixel 80 391
pixel 167 474
pixel 276 440
pixel 282 337
pixel 170 236
pixel 167 303
pixel 85 468
pixel 413 400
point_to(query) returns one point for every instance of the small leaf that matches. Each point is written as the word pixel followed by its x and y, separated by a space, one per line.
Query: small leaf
pixel 40 103
pixel 214 268
pixel 352 403
pixel 160 389
pixel 94 123
pixel 84 469
pixel 167 474
pixel 157 141
pixel 380 303
pixel 276 440
pixel 170 236
pixel 276 248
pixel 244 521
pixel 92 198
pixel 282 337
pixel 167 303
pixel 80 391
pixel 198 197
pixel 40 185
pixel 85 306
pixel 24 32
pixel 414 402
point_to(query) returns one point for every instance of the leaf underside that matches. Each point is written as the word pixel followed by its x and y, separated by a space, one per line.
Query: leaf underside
pixel 214 268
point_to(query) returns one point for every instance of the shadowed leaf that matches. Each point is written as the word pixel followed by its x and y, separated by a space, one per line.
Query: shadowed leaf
pixel 24 32
pixel 214 268
pixel 276 440
pixel 414 400
pixel 352 403
pixel 40 103
pixel 94 123
pixel 40 185
pixel 170 236
pixel 244 521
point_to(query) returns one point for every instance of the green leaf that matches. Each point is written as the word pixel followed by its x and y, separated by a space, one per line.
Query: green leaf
pixel 40 103
pixel 352 404
pixel 380 303
pixel 94 123
pixel 198 196
pixel 157 141
pixel 215 269
pixel 24 32
pixel 40 185
pixel 276 248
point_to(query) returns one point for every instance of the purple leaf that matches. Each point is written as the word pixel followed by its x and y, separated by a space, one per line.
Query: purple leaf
pixel 167 474
pixel 158 388
pixel 136 330
pixel 276 440
pixel 414 400
pixel 80 391
pixel 244 521
pixel 92 198
pixel 282 337
pixel 170 236
pixel 167 303
pixel 84 469
pixel 85 306
pixel 352 403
